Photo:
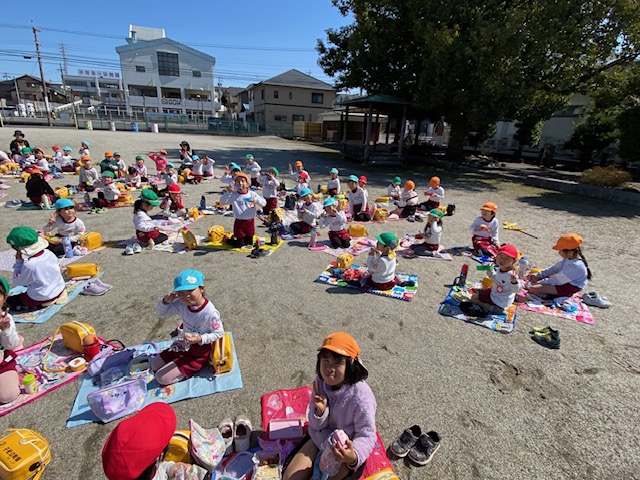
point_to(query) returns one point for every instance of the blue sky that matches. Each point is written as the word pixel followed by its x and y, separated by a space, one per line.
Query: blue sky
pixel 251 40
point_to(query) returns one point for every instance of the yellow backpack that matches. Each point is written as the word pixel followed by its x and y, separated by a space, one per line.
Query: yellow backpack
pixel 357 230
pixel 178 449
pixel 215 234
pixel 61 192
pixel 380 214
pixel 73 333
pixel 221 358
pixel 24 454
pixel 344 260
pixel 189 238
pixel 90 240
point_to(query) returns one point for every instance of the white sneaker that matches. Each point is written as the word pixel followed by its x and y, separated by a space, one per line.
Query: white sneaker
pixel 137 248
pixel 595 300
pixel 128 250
pixel 242 434
pixel 151 244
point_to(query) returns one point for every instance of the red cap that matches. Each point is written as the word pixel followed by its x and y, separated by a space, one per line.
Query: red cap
pixel 509 251
pixel 362 179
pixel 55 148
pixel 174 188
pixel 137 442
pixel 304 175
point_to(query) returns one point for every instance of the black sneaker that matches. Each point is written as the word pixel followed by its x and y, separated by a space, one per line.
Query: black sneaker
pixel 472 310
pixel 405 441
pixel 424 449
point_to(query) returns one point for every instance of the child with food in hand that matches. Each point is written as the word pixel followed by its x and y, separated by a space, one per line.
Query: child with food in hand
pixel 133 179
pixel 173 205
pixel 432 233
pixel 435 193
pixel 65 223
pixel 485 230
pixel 504 289
pixel 394 190
pixel 336 220
pixel 408 202
pixel 244 203
pixel 308 213
pixel 270 184
pixel 358 200
pixel 341 399
pixel 146 230
pixel 333 184
pixel 108 197
pixel 141 169
pixel 201 326
pixel 10 341
pixel 253 169
pixel 88 176
pixel 381 263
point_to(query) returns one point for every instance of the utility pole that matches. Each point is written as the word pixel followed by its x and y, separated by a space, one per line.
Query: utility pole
pixel 44 85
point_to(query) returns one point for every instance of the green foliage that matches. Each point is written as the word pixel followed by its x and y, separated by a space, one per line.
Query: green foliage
pixel 629 126
pixel 592 136
pixel 605 177
pixel 477 62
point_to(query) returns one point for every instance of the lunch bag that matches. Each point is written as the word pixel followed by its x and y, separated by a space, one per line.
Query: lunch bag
pixel 90 240
pixel 358 230
pixel 61 192
pixel 75 270
pixel 24 454
pixel 221 358
pixel 188 238
pixel 344 260
pixel 207 446
pixel 73 333
pixel 215 234
pixel 118 400
pixel 178 449
pixel 380 214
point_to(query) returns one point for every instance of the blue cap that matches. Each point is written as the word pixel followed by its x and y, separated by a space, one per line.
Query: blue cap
pixel 334 170
pixel 188 280
pixel 67 149
pixel 352 178
pixel 195 157
pixel 63 203
pixel 329 201
pixel 304 192
pixel 85 143
pixel 169 164
pixel 234 166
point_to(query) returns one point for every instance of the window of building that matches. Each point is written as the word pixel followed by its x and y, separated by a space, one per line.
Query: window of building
pixel 298 118
pixel 290 95
pixel 168 64
pixel 196 73
pixel 140 69
pixel 280 118
pixel 317 98
pixel 262 94
pixel 276 94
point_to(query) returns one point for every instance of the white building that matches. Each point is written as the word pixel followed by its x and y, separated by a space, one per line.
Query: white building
pixel 163 76
pixel 96 87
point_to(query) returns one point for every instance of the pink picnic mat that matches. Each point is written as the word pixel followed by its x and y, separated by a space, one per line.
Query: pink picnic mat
pixel 31 360
pixel 293 404
pixel 582 315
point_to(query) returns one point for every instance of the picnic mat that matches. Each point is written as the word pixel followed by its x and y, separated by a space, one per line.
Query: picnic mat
pixel 293 404
pixel 203 383
pixel 582 315
pixel 358 245
pixel 74 288
pixel 468 252
pixel 504 323
pixel 410 247
pixel 223 246
pixel 31 360
pixel 8 258
pixel 397 292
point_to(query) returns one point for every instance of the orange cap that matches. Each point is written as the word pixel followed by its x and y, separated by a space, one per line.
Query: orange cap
pixel 492 207
pixel 409 185
pixel 36 171
pixel 243 175
pixel 163 152
pixel 298 163
pixel 342 344
pixel 84 158
pixel 570 241
pixel 108 154
pixel 434 182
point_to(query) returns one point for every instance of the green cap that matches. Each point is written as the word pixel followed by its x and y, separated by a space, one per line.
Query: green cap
pixel 248 156
pixel 108 174
pixel 116 154
pixel 4 286
pixel 436 212
pixel 139 157
pixel 26 150
pixel 22 237
pixel 388 239
pixel 397 180
pixel 275 170
pixel 150 196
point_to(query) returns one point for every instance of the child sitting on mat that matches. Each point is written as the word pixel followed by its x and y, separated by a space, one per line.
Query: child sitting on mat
pixel 173 205
pixel 408 202
pixel 229 176
pixel 67 164
pixel 160 159
pixel 37 188
pixel 244 203
pixel 146 231
pixel 207 166
pixel 303 182
pixel 108 197
pixel 435 193
pixel 253 168
pixel 65 223
pixel 485 230
pixel 333 184
pixel 394 190
pixel 37 269
pixel 308 213
pixel 270 183
pixel 297 170
pixel 201 326
pixel 9 341
pixel 504 289
pixel 133 178
pixel 381 263
pixel 433 232
pixel 341 399
pixel 88 176
pixel 141 169
pixel 568 276
pixel 336 220
pixel 358 200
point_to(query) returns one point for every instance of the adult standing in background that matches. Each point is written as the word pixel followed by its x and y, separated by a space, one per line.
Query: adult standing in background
pixel 17 144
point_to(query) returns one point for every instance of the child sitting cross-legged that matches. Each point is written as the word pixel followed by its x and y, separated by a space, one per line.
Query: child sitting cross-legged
pixel 308 213
pixel 108 197
pixel 146 231
pixel 65 224
pixel 9 341
pixel 201 326
pixel 173 206
pixel 244 203
pixel 336 220
pixel 381 263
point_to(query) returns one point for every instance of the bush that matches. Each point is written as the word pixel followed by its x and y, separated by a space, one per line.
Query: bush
pixel 605 177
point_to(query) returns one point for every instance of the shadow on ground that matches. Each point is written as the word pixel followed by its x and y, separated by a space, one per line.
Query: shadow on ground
pixel 579 205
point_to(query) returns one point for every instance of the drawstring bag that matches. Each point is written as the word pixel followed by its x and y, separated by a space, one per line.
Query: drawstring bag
pixel 207 446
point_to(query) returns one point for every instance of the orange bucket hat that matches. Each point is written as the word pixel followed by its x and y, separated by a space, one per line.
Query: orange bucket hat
pixel 298 163
pixel 570 241
pixel 434 182
pixel 492 207
pixel 243 175
pixel 409 185
pixel 345 345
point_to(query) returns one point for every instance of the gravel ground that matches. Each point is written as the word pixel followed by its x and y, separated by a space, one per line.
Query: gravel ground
pixel 505 407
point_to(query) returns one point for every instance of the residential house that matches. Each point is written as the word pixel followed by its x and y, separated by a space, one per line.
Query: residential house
pixel 29 92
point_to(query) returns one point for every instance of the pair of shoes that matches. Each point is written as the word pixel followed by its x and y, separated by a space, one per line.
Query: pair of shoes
pixel 411 218
pixel 417 446
pixel 418 217
pixel 94 289
pixel 15 203
pixel 472 310
pixel 101 284
pixel 236 435
pixel 128 250
pixel 461 296
pixel 596 300
pixel 547 337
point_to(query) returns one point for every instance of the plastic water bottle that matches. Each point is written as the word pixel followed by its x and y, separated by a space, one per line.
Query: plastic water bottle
pixel 314 237
pixel 203 203
pixel 524 267
pixel 68 248
pixel 46 203
pixel 462 279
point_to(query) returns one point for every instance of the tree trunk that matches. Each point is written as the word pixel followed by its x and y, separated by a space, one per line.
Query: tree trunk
pixel 455 151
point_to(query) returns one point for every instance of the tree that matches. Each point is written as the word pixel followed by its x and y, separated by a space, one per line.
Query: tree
pixel 477 62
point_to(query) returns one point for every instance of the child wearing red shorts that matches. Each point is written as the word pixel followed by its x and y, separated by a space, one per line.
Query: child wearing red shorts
pixel 244 204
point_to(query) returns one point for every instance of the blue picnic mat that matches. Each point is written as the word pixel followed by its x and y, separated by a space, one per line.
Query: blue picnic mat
pixel 504 323
pixel 397 292
pixel 203 383
pixel 468 252
pixel 73 287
